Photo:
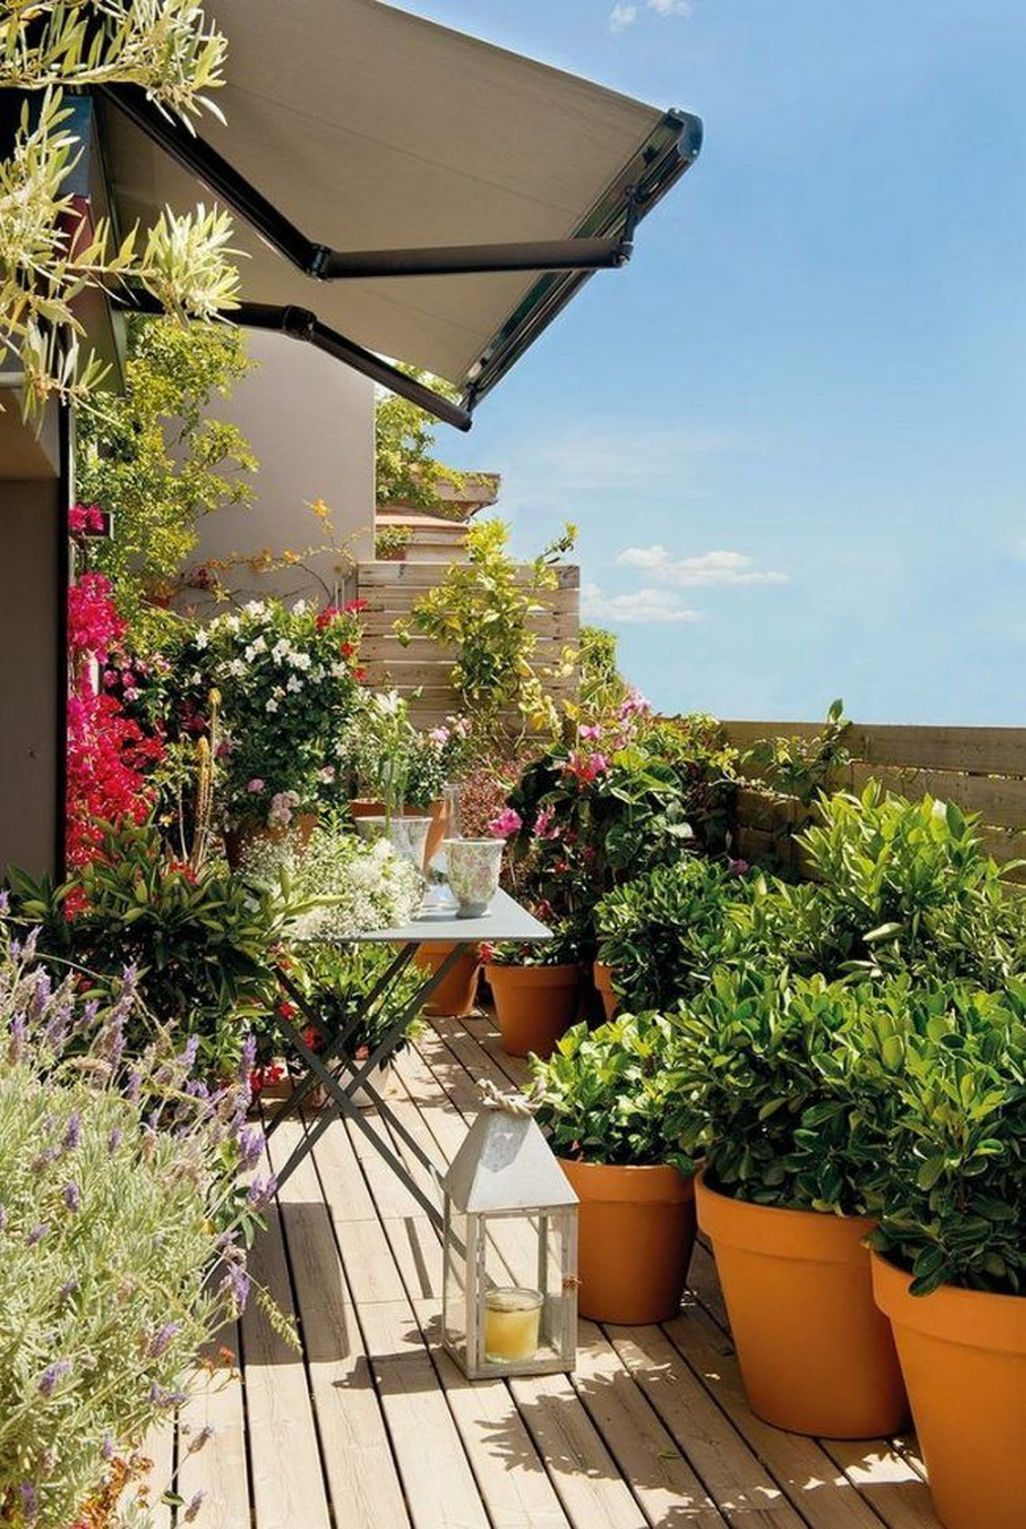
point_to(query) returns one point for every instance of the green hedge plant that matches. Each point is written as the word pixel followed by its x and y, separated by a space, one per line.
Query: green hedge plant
pixel 942 1081
pixel 763 1083
pixel 607 1094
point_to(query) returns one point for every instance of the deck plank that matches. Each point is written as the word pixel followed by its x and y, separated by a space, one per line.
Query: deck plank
pixel 212 1443
pixel 288 1484
pixel 362 1478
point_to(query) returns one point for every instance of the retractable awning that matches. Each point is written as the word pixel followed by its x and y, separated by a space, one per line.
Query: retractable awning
pixel 363 143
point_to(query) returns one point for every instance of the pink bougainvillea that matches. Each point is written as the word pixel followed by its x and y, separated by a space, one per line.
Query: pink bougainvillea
pixel 108 754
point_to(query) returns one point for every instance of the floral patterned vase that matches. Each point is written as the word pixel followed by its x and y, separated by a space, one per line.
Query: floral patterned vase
pixel 474 866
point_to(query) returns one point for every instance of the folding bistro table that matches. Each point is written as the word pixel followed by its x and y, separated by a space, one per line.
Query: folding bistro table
pixel 339 1073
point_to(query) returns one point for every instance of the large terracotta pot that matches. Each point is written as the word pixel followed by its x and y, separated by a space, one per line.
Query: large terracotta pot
pixel 236 840
pixel 963 1355
pixel 636 1230
pixel 602 976
pixel 815 1355
pixel 456 994
pixel 534 1005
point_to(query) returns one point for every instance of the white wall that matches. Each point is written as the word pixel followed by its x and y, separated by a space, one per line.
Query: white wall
pixel 311 423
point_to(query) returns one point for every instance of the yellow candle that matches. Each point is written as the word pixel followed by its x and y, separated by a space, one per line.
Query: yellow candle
pixel 512 1323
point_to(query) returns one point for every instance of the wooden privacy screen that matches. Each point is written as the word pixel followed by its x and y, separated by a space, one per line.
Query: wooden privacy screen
pixel 391 590
pixel 982 769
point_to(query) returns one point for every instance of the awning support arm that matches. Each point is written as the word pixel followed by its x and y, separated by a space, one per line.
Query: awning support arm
pixel 301 324
pixel 326 264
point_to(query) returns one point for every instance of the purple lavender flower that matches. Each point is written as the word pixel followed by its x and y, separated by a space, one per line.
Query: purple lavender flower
pixel 5 904
pixel 189 1053
pixel 73 1133
pixel 160 1398
pixel 162 1338
pixel 51 1375
pixel 107 1447
pixel 87 1018
pixel 247 1061
pixel 251 1145
pixel 42 1160
pixel 29 1502
pixel 27 952
pixel 133 1085
pixel 16 1046
pixel 68 1289
pixel 261 1192
pixel 72 1197
pixel 237 1284
pixel 37 1233
pixel 40 993
pixel 195 1503
pixel 114 1140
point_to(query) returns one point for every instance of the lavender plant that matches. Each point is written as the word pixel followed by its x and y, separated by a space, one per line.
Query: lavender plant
pixel 120 1249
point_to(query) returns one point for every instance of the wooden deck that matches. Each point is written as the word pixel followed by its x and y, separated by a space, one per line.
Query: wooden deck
pixel 372 1426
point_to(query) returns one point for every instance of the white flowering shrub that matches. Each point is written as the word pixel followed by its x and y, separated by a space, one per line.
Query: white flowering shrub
pixel 288 678
pixel 118 1235
pixel 345 885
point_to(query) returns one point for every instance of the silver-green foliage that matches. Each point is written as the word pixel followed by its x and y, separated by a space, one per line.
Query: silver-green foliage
pixel 117 1259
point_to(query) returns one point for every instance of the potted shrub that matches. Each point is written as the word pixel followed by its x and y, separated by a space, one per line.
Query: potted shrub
pixel 607 1106
pixel 537 992
pixel 456 994
pixel 765 1083
pixel 660 934
pixel 391 543
pixel 270 687
pixel 949 1267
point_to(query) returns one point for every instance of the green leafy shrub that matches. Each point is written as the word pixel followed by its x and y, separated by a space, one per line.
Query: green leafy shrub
pixel 913 888
pixel 287 679
pixel 606 1095
pixel 201 942
pixel 118 1259
pixel 942 1080
pixel 763 1079
pixel 664 931
pixel 483 610
pixel 803 767
pixel 338 982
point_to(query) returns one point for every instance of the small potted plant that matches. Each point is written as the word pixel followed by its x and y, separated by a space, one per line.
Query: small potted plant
pixel 391 543
pixel 946 1076
pixel 537 991
pixel 765 1080
pixel 608 1107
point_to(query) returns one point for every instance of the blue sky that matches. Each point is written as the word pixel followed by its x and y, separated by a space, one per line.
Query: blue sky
pixel 814 366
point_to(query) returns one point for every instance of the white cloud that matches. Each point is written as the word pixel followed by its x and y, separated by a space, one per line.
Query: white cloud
pixel 704 571
pixel 622 16
pixel 641 607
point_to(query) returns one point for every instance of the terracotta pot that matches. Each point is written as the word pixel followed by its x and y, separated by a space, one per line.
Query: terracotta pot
pixel 815 1355
pixel 456 994
pixel 963 1355
pixel 236 840
pixel 534 1005
pixel 602 976
pixel 636 1230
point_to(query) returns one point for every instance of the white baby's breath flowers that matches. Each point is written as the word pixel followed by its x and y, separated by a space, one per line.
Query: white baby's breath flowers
pixel 347 885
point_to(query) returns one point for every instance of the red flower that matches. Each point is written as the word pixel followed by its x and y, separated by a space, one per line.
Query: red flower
pixel 353 607
pixel 326 616
pixel 286 1010
pixel 359 675
pixel 347 649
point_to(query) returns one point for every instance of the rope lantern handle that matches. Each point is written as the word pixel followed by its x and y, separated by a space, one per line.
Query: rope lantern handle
pixel 510 1103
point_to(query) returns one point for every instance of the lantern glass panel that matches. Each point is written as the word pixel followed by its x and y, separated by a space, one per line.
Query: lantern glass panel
pixel 456 1272
pixel 526 1307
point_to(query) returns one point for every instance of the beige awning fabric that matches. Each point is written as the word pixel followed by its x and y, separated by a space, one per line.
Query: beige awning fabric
pixel 368 128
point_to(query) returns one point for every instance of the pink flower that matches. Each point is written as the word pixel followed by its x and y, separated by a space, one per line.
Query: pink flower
pixel 256 785
pixel 737 867
pixel 544 827
pixel 439 736
pixel 598 764
pixel 591 731
pixel 507 823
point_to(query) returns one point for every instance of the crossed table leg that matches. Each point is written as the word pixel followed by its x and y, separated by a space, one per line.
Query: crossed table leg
pixel 341 1077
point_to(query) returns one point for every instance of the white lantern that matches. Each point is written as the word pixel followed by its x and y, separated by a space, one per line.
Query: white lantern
pixel 509 1294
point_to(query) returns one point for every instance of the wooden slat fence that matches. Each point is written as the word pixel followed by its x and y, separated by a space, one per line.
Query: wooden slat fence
pixel 981 769
pixel 392 589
